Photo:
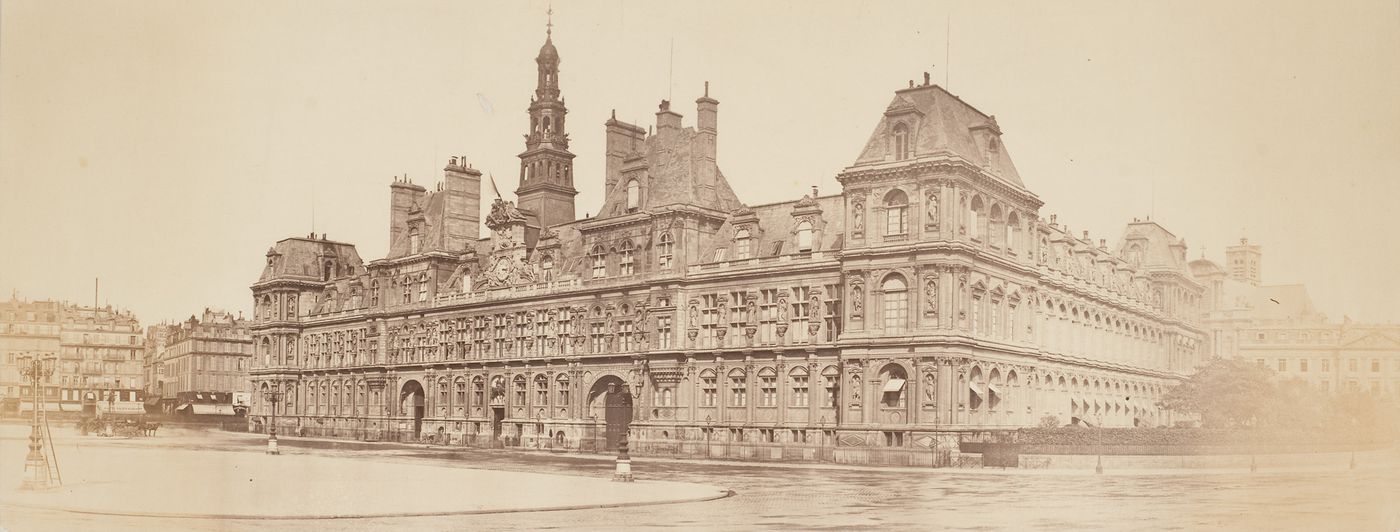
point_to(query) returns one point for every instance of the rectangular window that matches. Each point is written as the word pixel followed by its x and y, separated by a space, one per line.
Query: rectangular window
pixel 1375 365
pixel 1326 365
pixel 739 391
pixel 663 332
pixel 708 390
pixel 896 309
pixel 799 391
pixel 829 400
pixel 1283 364
pixel 1303 365
pixel 624 336
pixel 1259 362
pixel 596 337
pixel 768 388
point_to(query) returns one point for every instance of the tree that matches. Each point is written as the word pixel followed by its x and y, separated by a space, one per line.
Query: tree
pixel 1226 393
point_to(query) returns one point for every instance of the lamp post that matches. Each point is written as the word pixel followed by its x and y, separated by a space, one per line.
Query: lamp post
pixel 36 463
pixel 273 396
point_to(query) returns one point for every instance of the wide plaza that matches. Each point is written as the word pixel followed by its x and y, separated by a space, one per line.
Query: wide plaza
pixel 401 487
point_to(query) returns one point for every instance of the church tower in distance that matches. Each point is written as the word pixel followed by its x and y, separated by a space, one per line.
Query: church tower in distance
pixel 546 166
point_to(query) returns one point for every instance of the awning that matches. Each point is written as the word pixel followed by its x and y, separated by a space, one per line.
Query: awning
pixel 128 408
pixel 894 385
pixel 217 410
pixel 49 406
pixel 976 388
pixel 993 388
pixel 182 407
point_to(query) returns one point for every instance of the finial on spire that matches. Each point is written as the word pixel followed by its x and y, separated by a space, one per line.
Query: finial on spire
pixel 707 89
pixel 549 23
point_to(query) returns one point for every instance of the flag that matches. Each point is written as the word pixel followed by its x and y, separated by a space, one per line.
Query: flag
pixel 493 186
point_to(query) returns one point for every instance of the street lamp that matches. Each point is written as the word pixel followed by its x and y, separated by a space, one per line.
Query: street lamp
pixel 273 396
pixel 37 475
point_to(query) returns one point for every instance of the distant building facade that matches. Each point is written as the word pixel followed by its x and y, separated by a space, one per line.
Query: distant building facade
pixel 97 350
pixel 1278 327
pixel 928 299
pixel 203 356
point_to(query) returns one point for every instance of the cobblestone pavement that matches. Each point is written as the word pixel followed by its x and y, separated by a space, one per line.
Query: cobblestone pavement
pixel 834 499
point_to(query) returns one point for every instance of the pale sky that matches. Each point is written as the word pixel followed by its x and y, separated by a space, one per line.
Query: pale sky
pixel 164 146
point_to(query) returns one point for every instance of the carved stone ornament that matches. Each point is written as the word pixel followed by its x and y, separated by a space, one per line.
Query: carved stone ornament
pixel 502 213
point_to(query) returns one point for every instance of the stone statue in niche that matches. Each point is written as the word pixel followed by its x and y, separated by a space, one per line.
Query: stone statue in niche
pixel 859 217
pixel 932 210
pixel 857 299
pixel 930 388
pixel 931 296
pixel 855 388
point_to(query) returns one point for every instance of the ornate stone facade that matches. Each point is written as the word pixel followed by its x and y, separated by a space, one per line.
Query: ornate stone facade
pixel 948 305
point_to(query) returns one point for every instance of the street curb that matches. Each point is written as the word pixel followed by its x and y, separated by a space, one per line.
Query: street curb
pixel 723 493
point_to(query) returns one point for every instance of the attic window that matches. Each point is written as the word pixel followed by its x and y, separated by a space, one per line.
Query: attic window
pixel 741 244
pixel 634 194
pixel 901 141
pixel 414 242
pixel 804 236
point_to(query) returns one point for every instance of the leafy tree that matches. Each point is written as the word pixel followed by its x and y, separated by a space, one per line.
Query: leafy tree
pixel 1225 393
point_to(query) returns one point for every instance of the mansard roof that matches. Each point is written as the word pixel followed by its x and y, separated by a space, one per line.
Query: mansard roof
pixel 943 126
pixel 1159 248
pixel 301 258
pixel 677 171
pixel 429 210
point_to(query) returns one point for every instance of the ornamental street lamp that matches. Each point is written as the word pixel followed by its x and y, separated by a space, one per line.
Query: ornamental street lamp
pixel 37 474
pixel 273 396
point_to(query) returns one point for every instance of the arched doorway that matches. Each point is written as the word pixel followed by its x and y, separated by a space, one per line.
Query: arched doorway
pixel 611 398
pixel 411 403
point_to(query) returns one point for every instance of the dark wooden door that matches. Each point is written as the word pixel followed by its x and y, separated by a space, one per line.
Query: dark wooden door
pixel 618 417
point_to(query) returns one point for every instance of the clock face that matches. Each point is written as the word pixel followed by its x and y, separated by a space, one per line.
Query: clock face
pixel 502 270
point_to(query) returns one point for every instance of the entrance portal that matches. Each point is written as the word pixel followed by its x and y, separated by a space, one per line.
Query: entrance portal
pixel 616 402
pixel 498 413
pixel 411 403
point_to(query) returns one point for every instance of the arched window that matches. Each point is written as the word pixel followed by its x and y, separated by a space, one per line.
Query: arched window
pixel 600 262
pixel 423 288
pixel 977 388
pixel 894 379
pixel 738 388
pixel 459 389
pixel 624 259
pixel 561 387
pixel 374 294
pixel 709 384
pixel 665 251
pixel 741 244
pixel 831 378
pixel 975 219
pixel 407 290
pixel 519 383
pixel 547 125
pixel 1134 255
pixel 901 142
pixel 798 377
pixel 478 390
pixel 767 387
pixel 995 222
pixel 541 389
pixel 804 236
pixel 896 302
pixel 1013 232
pixel 896 212
pixel 634 194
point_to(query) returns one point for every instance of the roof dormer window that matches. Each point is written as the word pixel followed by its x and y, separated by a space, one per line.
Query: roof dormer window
pixel 415 242
pixel 634 194
pixel 901 142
